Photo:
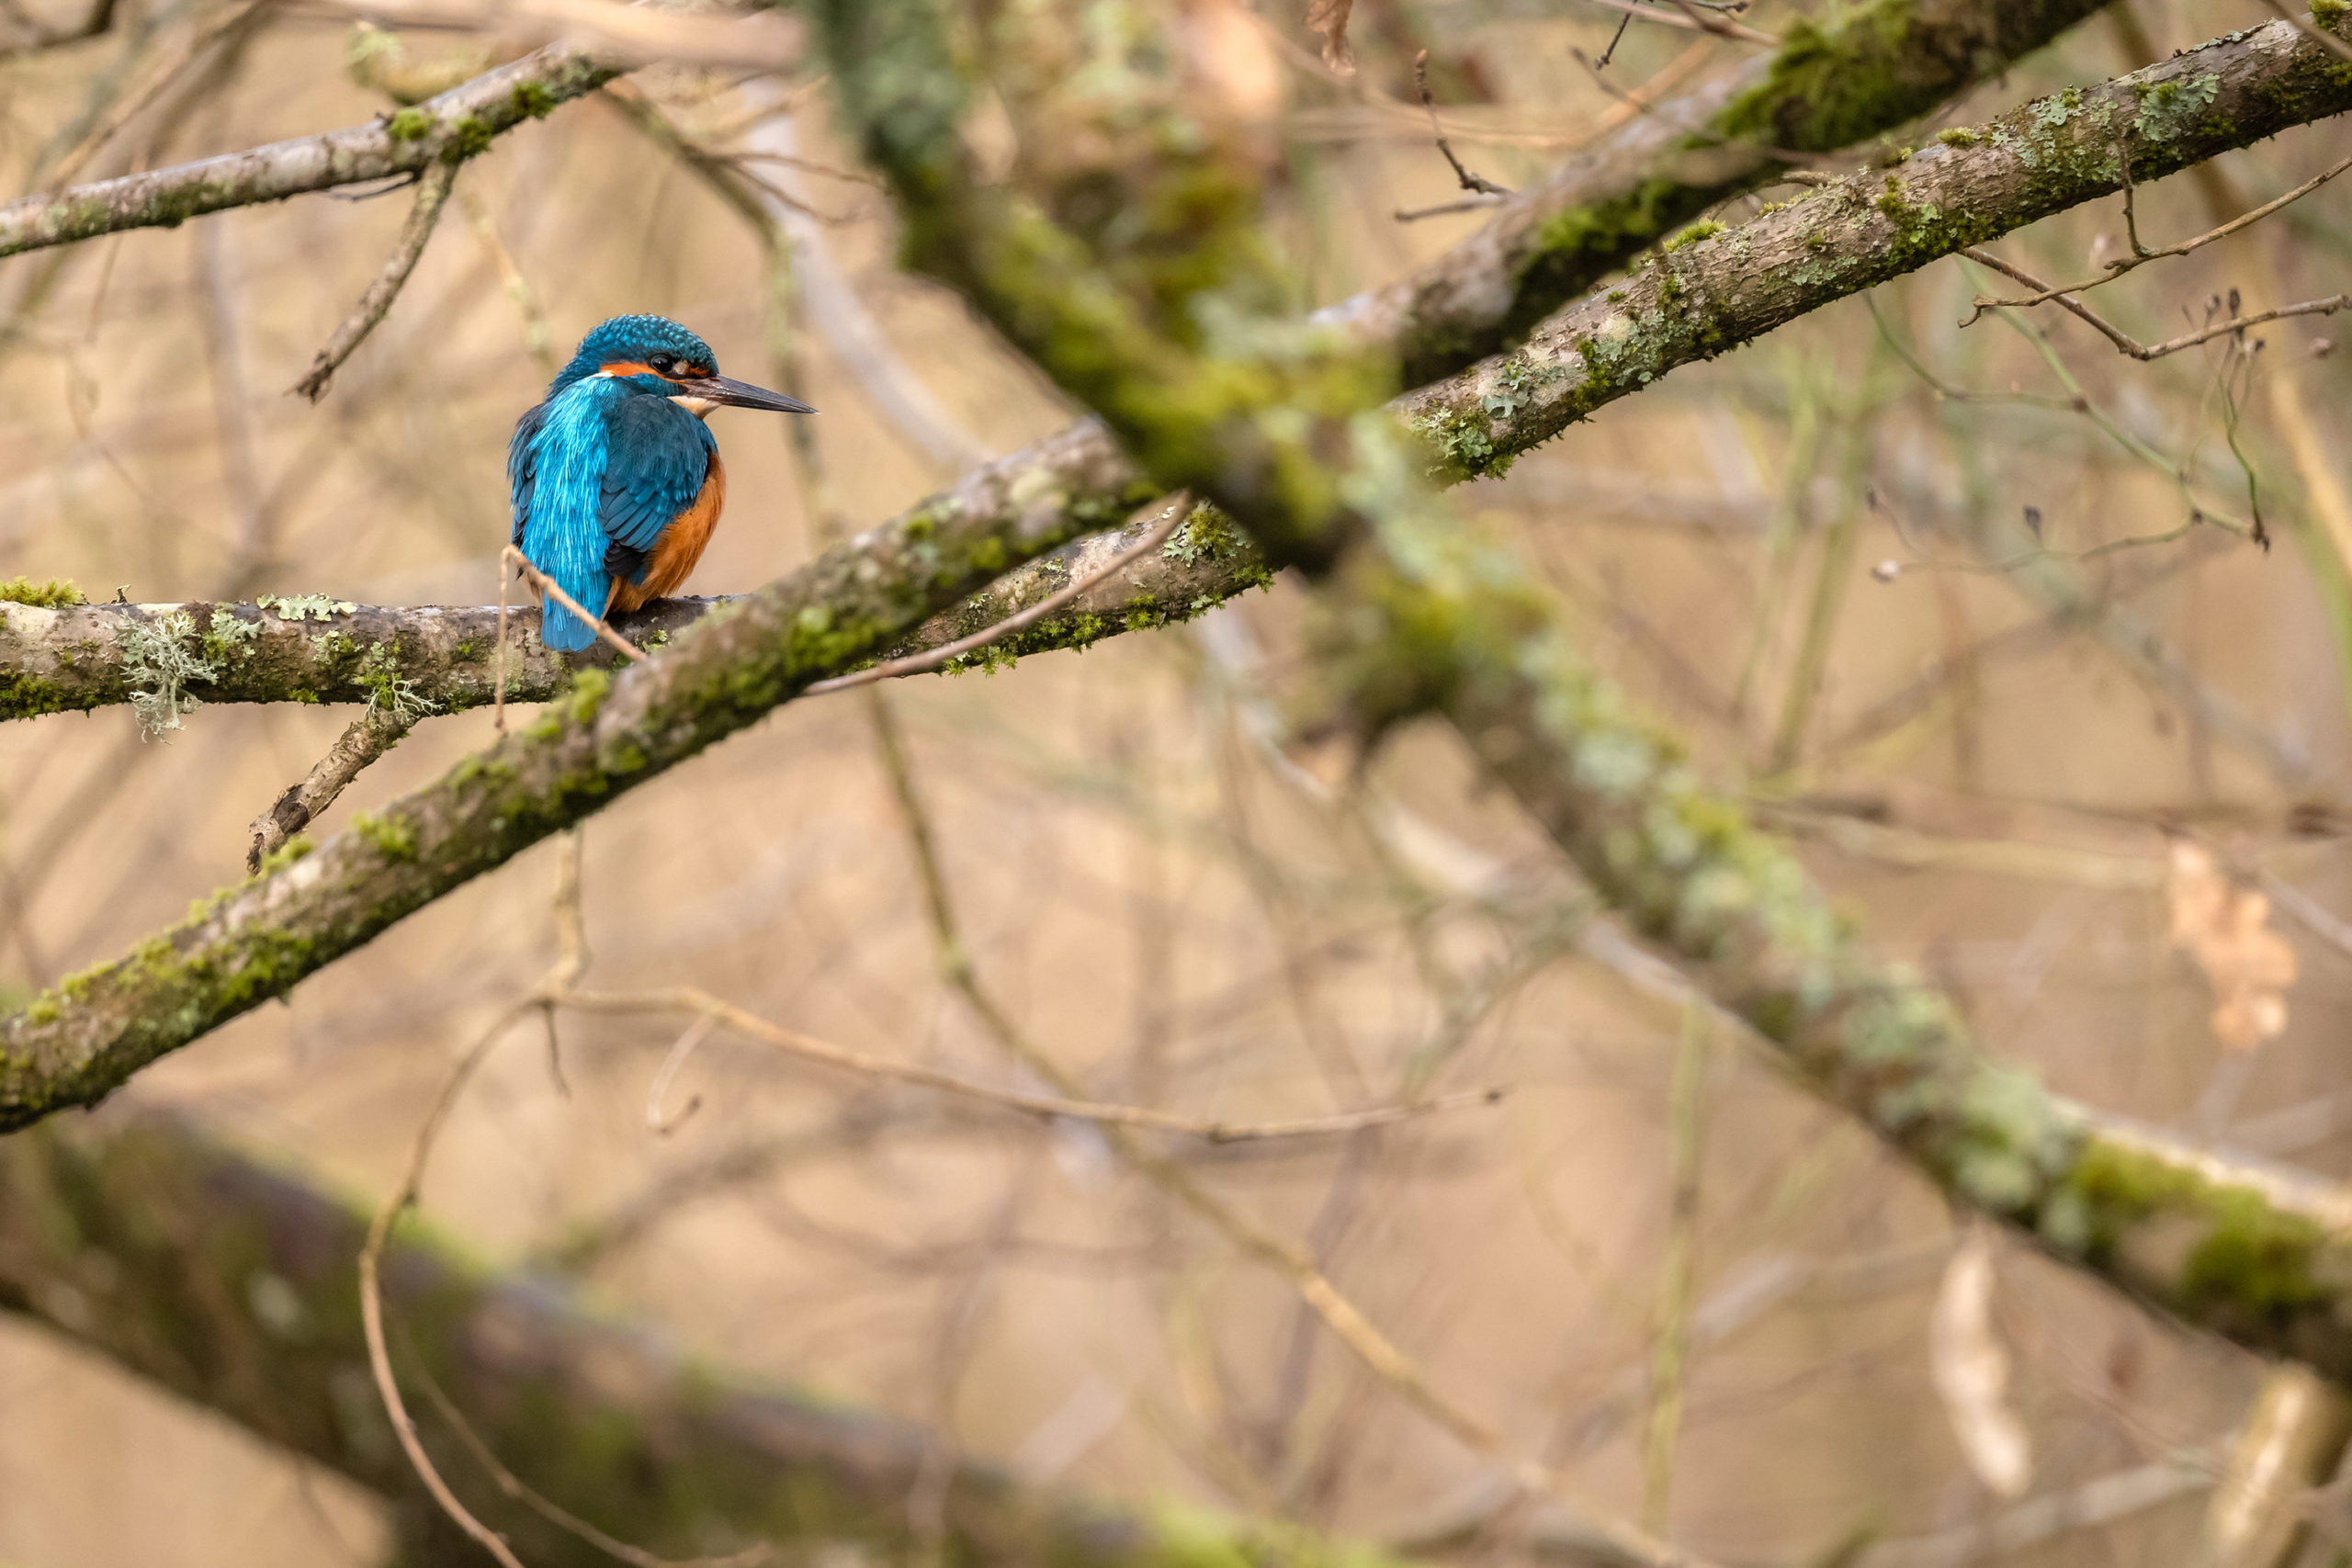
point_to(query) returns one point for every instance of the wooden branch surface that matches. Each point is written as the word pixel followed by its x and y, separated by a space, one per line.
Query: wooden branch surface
pixel 229 1282
pixel 450 128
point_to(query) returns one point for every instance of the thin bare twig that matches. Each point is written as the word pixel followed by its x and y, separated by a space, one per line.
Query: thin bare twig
pixel 712 1012
pixel 548 586
pixel 2123 340
pixel 1346 1321
pixel 371 1296
pixel 1485 192
pixel 917 663
pixel 1692 18
pixel 433 188
pixel 562 1517
pixel 2140 254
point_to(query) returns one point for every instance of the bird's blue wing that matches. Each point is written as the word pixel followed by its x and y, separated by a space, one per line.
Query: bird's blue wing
pixel 523 465
pixel 657 456
pixel 557 468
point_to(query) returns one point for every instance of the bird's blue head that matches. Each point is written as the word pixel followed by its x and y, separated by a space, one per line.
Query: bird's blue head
pixel 657 355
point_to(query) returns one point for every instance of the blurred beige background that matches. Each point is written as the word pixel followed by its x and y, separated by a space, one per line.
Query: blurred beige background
pixel 1162 903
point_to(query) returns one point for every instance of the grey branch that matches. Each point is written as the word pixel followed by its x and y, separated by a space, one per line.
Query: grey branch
pixel 450 128
pixel 229 1282
pixel 438 658
pixel 1857 72
pixel 432 192
pixel 1843 237
pixel 74 1045
pixel 375 731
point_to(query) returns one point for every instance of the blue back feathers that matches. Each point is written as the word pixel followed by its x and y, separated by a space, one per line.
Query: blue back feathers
pixel 599 467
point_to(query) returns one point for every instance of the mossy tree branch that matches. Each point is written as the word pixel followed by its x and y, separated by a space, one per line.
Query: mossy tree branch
pixel 1840 238
pixel 252 942
pixel 230 1282
pixel 1859 72
pixel 1697 302
pixel 1422 619
pixel 450 128
pixel 72 658
pixel 255 943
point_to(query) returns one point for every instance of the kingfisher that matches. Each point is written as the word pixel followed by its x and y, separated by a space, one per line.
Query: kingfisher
pixel 616 479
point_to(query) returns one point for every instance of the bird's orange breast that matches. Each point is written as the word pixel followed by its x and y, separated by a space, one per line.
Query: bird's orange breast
pixel 678 546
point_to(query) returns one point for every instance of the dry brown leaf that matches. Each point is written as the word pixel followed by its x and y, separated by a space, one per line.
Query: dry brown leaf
pixel 1328 20
pixel 2226 929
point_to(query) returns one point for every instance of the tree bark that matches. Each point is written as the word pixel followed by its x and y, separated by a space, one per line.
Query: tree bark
pixel 1859 72
pixel 1418 618
pixel 459 124
pixel 230 1282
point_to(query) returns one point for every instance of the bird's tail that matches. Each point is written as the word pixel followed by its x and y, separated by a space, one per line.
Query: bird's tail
pixel 564 632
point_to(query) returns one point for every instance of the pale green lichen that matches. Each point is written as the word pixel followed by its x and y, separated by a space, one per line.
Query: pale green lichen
pixel 159 668
pixel 2170 108
pixel 226 636
pixel 390 692
pixel 305 607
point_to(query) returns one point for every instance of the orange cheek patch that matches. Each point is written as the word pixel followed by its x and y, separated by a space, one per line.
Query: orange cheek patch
pixel 628 368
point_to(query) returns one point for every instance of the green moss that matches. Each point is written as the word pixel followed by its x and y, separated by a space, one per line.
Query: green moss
pixel 411 124
pixel 286 854
pixel 28 697
pixel 392 838
pixel 51 593
pixel 1692 236
pixel 1959 136
pixel 468 138
pixel 532 100
pixel 2245 1256
pixel 589 689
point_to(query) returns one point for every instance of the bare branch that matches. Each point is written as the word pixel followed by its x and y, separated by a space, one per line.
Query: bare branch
pixel 452 128
pixel 373 733
pixel 1691 16
pixel 2122 340
pixel 2140 254
pixel 1864 229
pixel 432 191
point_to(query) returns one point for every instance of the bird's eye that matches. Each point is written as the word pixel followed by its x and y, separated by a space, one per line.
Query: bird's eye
pixel 663 362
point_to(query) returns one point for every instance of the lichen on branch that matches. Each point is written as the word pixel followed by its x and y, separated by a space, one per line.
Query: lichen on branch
pixel 607 733
pixel 228 1280
pixel 1854 72
pixel 1840 238
pixel 459 124
pixel 1418 618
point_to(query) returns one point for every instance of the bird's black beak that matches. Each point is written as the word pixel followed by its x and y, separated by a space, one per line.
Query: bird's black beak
pixel 720 390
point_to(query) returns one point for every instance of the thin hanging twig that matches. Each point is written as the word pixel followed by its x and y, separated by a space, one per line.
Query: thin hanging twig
pixel 548 586
pixel 2131 345
pixel 433 188
pixel 2140 254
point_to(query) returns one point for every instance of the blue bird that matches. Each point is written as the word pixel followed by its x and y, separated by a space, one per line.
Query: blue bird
pixel 616 479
